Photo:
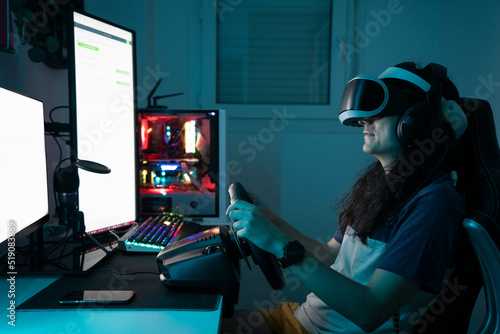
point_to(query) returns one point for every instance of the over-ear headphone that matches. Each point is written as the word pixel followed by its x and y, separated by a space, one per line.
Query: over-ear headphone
pixel 422 117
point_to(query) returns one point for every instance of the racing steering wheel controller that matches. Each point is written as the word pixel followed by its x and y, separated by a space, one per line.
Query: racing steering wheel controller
pixel 209 261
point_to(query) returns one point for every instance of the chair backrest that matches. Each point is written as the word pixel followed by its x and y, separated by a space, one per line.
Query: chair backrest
pixel 484 234
pixel 476 156
pixel 482 224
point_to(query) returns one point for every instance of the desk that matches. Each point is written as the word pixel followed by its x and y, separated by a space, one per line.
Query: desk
pixel 154 309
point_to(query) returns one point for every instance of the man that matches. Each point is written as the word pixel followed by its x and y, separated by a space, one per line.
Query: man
pixel 399 226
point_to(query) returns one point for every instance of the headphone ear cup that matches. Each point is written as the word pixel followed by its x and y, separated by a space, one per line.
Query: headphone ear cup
pixel 417 122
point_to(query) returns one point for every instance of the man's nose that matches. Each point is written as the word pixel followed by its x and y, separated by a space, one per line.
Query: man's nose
pixel 365 121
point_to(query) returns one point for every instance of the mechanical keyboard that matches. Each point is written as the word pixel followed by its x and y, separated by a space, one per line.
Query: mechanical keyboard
pixel 152 235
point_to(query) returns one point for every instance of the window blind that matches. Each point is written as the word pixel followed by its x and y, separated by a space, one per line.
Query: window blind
pixel 273 52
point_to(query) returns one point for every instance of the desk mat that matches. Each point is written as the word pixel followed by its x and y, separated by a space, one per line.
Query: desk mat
pixel 122 271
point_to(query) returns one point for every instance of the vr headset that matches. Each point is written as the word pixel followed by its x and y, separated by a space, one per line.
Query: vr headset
pixel 367 96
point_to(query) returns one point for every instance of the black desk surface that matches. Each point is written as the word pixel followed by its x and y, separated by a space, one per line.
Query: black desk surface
pixel 123 271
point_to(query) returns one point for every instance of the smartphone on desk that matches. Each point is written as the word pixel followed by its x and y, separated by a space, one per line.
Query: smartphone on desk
pixel 98 297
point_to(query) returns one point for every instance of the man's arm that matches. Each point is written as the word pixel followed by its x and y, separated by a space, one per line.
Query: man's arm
pixel 324 252
pixel 368 306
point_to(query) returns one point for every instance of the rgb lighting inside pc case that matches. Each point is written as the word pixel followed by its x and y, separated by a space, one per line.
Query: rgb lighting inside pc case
pixel 181 158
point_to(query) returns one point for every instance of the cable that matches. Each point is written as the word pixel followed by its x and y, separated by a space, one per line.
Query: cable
pixel 20 52
pixel 55 137
pixel 117 234
pixel 114 234
pixel 58 134
pixel 54 109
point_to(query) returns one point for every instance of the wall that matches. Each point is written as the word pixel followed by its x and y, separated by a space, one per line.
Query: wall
pixel 458 34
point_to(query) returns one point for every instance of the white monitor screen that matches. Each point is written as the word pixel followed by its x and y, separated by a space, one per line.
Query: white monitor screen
pixel 105 111
pixel 23 170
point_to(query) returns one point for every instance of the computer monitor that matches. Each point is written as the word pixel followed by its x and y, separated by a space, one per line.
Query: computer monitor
pixel 24 205
pixel 103 119
pixel 182 164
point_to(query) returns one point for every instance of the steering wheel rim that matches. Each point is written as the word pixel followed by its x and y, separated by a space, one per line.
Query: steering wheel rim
pixel 268 265
pixel 265 260
pixel 238 248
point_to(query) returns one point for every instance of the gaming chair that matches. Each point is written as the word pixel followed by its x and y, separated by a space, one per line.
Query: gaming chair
pixel 476 156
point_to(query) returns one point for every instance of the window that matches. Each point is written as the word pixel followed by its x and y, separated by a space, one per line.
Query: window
pixel 273 52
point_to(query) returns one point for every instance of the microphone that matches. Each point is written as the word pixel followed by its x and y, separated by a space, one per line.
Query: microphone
pixel 66 183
